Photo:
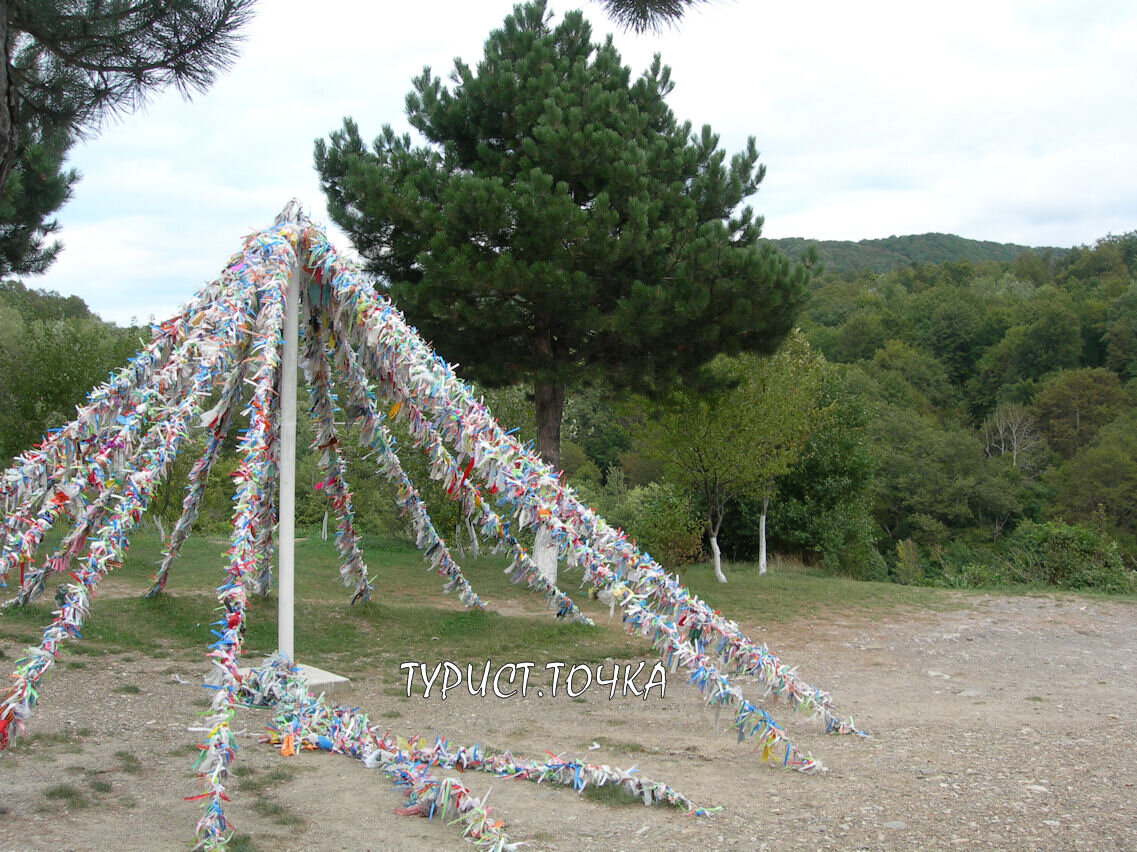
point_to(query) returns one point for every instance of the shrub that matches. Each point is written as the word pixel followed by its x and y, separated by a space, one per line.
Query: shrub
pixel 908 569
pixel 661 519
pixel 1066 555
pixel 657 515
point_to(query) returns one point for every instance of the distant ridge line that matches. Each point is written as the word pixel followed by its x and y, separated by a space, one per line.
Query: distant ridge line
pixel 883 254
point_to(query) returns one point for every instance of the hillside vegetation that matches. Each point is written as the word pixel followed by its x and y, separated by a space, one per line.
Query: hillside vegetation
pixel 965 423
pixel 887 253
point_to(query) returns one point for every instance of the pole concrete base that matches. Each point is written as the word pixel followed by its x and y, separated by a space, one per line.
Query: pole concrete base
pixel 317 679
pixel 322 681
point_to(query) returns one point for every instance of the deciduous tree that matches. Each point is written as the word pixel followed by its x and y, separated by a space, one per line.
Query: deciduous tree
pixel 1071 406
pixel 735 442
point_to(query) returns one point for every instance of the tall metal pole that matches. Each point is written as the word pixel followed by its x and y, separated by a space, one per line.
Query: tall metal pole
pixel 286 526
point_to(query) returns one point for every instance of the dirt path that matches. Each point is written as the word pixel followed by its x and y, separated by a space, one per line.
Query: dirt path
pixel 1007 724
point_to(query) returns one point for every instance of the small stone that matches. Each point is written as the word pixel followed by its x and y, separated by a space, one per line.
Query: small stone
pixel 896 824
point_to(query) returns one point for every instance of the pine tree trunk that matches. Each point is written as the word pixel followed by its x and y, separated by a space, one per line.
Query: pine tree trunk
pixel 549 402
pixel 9 122
pixel 762 537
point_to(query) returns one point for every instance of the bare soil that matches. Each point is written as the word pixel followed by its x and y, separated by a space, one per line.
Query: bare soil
pixel 1006 723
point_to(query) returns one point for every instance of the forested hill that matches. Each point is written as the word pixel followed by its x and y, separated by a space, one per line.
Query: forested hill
pixel 887 253
pixel 53 349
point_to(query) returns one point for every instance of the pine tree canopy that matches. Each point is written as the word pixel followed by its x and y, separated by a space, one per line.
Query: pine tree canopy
pixel 559 224
pixel 69 65
pixel 37 186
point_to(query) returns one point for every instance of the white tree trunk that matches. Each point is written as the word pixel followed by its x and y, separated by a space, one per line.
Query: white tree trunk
pixel 160 526
pixel 324 527
pixel 762 537
pixel 545 555
pixel 719 575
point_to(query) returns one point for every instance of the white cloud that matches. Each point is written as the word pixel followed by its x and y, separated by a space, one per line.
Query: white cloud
pixel 1004 121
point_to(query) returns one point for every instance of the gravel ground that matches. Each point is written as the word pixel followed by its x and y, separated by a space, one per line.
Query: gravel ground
pixel 1006 723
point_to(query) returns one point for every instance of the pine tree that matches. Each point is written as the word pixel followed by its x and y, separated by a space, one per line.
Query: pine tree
pixel 560 224
pixel 37 187
pixel 71 64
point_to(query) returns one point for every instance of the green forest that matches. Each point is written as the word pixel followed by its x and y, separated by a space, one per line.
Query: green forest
pixel 962 423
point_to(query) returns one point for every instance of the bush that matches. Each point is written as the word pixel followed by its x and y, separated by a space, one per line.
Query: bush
pixel 657 515
pixel 1065 555
pixel 908 570
pixel 661 520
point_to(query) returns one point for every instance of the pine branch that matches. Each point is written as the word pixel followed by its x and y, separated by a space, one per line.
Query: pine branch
pixel 647 15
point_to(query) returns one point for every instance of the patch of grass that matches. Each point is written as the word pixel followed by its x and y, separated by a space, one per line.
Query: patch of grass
pixel 129 802
pixel 43 745
pixel 792 589
pixel 626 746
pixel 73 664
pixel 127 689
pixel 242 843
pixel 276 811
pixel 99 785
pixel 130 762
pixel 1036 698
pixel 185 749
pixel 256 782
pixel 614 795
pixel 68 796
pixel 88 650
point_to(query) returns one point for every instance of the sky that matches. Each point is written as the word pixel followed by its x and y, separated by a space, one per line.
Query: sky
pixel 997 120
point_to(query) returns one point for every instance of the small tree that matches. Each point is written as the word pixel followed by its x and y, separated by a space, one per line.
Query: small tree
pixel 734 443
pixel 1010 430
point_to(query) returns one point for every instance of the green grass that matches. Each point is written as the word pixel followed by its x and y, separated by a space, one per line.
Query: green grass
pixel 128 689
pixel 276 811
pixel 614 795
pixel 129 761
pixel 68 796
pixel 410 619
pixel 252 781
pixel 790 591
pixel 625 746
pixel 45 745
